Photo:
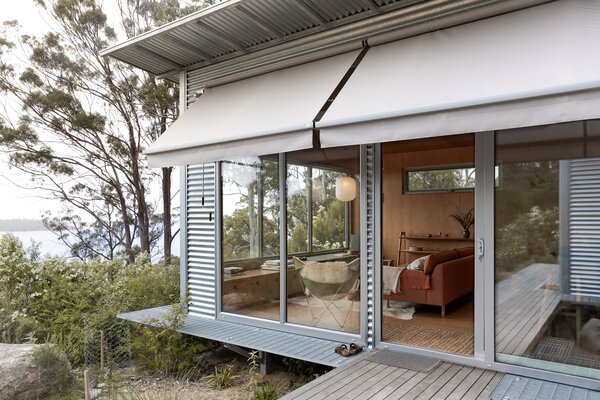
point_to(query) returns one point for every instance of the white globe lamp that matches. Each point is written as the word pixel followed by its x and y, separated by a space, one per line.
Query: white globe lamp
pixel 345 188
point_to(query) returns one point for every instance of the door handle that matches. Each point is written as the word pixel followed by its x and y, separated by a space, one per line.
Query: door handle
pixel 480 249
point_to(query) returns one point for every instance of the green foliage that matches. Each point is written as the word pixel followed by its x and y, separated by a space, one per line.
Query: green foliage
pixel 527 216
pixel 266 391
pixel 221 378
pixel 532 237
pixel 56 300
pixel 441 179
pixel 55 370
pixel 159 348
pixel 249 183
pixel 464 219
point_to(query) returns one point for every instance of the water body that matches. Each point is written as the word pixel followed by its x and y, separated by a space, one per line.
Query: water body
pixel 51 246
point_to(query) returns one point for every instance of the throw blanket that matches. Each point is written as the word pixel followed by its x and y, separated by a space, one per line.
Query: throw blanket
pixel 391 279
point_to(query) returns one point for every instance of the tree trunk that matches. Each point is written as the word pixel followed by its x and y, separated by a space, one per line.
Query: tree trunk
pixel 252 222
pixel 140 194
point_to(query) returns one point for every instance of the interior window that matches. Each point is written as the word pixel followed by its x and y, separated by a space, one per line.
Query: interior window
pixel 446 179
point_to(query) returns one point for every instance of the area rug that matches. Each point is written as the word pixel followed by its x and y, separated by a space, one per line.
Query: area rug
pixel 400 309
pixel 397 309
pixel 438 339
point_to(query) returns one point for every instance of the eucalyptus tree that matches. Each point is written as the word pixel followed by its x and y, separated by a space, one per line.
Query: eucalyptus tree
pixel 82 122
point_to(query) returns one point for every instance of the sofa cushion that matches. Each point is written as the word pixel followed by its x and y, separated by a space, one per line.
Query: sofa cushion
pixel 418 264
pixel 465 251
pixel 438 258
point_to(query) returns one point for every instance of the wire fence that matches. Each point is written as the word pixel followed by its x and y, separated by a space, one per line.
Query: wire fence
pixel 107 345
pixel 107 348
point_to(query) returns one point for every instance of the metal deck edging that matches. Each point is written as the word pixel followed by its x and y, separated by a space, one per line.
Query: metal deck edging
pixel 293 345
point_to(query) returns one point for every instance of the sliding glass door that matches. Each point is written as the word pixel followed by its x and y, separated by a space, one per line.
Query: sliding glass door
pixel 428 272
pixel 547 248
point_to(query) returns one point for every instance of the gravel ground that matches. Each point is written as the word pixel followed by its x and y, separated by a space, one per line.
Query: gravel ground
pixel 145 387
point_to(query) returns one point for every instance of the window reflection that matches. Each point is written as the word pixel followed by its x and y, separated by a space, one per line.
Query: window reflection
pixel 547 255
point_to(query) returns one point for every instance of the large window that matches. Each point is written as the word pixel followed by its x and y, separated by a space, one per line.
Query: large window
pixel 547 256
pixel 250 191
pixel 250 237
pixel 322 216
pixel 317 221
pixel 318 229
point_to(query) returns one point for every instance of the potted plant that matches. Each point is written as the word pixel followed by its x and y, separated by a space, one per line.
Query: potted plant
pixel 465 220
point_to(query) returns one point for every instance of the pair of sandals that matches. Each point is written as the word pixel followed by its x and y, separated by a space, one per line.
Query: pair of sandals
pixel 346 351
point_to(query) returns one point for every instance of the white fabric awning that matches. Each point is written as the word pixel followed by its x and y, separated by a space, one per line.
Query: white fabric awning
pixel 532 67
pixel 266 114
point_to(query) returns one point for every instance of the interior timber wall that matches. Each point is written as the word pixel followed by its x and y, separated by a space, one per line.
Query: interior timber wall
pixel 422 213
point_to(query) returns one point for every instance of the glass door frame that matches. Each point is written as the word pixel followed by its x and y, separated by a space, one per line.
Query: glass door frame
pixel 484 293
pixel 282 323
pixel 482 214
pixel 485 147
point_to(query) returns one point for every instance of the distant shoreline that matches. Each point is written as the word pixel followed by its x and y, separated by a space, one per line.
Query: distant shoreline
pixel 21 225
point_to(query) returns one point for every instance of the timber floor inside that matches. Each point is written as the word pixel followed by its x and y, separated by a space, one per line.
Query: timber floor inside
pixel 427 328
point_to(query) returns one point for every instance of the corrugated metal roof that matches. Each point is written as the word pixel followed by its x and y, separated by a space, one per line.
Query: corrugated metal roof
pixel 238 27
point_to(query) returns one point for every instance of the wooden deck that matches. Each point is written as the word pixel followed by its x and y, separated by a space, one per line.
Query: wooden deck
pixel 368 380
pixel 285 344
pixel 362 379
pixel 525 304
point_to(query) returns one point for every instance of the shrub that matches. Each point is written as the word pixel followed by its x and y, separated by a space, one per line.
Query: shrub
pixel 223 377
pixel 55 370
pixel 57 300
pixel 266 391
pixel 160 348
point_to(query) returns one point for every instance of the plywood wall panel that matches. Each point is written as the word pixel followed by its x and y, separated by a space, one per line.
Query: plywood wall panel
pixel 420 214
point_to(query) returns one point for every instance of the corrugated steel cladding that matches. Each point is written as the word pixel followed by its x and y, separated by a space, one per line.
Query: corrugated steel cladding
pixel 584 226
pixel 370 223
pixel 200 230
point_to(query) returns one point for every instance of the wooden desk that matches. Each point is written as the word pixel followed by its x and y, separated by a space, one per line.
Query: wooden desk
pixel 262 282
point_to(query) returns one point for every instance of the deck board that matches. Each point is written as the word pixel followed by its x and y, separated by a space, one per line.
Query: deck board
pixel 518 387
pixel 286 344
pixel 524 308
pixel 369 380
pixel 364 379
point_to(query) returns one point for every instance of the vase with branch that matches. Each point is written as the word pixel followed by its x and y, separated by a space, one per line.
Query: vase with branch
pixel 465 220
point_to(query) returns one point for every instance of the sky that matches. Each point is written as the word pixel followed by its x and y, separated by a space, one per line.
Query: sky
pixel 16 201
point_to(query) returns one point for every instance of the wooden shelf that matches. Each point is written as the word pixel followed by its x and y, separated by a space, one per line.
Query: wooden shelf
pixel 404 239
pixel 452 239
pixel 417 251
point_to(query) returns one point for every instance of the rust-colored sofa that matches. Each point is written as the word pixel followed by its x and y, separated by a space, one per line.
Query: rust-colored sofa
pixel 446 276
